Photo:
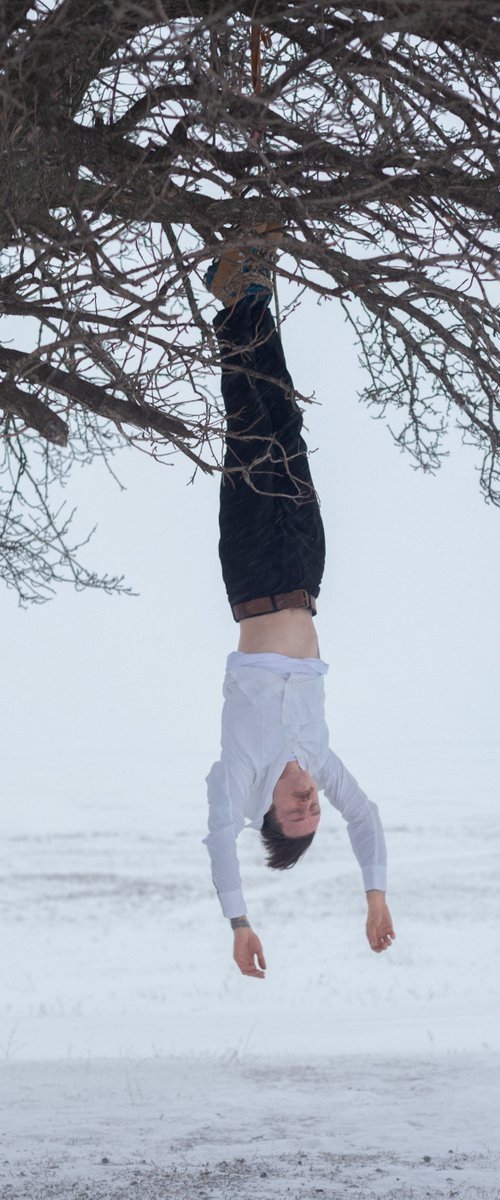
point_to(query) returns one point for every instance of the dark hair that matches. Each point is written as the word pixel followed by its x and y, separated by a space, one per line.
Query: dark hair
pixel 282 852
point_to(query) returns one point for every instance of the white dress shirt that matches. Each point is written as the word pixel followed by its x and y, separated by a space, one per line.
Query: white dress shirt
pixel 273 712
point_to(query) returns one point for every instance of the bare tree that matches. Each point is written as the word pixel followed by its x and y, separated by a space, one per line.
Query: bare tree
pixel 137 135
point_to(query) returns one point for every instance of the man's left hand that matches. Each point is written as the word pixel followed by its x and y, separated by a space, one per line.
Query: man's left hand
pixel 379 927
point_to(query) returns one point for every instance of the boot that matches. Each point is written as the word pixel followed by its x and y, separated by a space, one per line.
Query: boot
pixel 241 272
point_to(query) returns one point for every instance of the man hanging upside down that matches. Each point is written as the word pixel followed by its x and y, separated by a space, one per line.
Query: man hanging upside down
pixel 275 756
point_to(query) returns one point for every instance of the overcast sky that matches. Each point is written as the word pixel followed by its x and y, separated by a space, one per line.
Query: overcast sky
pixel 94 687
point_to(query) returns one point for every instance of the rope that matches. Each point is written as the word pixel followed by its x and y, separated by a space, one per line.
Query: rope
pixel 276 301
pixel 258 37
pixel 261 37
pixel 255 41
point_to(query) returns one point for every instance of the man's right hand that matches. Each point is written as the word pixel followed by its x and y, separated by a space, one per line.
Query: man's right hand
pixel 247 948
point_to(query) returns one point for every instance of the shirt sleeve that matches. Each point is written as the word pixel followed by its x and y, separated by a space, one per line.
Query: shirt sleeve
pixel 225 821
pixel 363 821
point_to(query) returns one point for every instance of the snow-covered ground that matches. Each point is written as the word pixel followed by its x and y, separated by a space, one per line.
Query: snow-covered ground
pixel 273 1127
pixel 136 1061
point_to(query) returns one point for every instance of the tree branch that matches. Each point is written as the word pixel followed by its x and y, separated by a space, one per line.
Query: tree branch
pixel 33 412
pixel 96 398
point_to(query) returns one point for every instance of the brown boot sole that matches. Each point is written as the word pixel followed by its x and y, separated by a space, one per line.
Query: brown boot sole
pixel 237 269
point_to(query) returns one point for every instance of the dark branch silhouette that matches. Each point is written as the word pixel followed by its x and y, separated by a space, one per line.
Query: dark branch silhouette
pixel 133 143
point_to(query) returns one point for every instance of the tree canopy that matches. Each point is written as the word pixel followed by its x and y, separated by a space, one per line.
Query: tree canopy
pixel 138 135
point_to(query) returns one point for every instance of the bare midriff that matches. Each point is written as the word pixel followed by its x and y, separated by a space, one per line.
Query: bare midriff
pixel 289 632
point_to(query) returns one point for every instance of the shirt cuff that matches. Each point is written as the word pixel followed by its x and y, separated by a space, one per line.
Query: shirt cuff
pixel 375 877
pixel 232 903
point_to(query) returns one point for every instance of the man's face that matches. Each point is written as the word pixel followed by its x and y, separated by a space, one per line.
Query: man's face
pixel 295 802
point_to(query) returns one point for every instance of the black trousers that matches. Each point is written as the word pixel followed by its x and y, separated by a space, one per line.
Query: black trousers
pixel 271 533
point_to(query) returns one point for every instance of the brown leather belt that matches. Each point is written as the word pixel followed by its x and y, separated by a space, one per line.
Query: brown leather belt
pixel 269 604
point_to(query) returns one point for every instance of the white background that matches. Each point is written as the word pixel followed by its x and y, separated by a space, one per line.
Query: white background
pixel 113 942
